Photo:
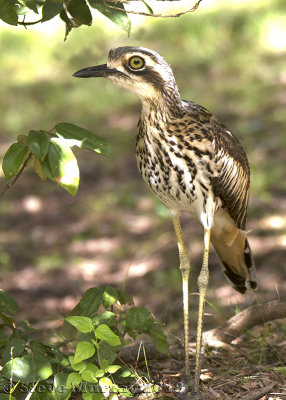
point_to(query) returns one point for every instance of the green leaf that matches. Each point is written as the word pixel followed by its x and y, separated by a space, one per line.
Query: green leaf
pixel 3 340
pixel 110 295
pixel 22 139
pixel 120 18
pixel 60 391
pixel 51 8
pixel 14 348
pixel 80 367
pixel 105 385
pixel 83 138
pixel 113 368
pixel 87 306
pixel 73 380
pixel 7 320
pixel 31 4
pixel 103 332
pixel 38 142
pixel 28 369
pixel 104 364
pixel 68 23
pixel 38 167
pixel 8 12
pixel 80 12
pixel 7 302
pixel 125 392
pixel 63 165
pixel 42 391
pixel 47 169
pixel 38 347
pixel 108 318
pixel 125 298
pixel 13 159
pixel 138 320
pixel 159 339
pixel 89 374
pixel 148 7
pixel 99 373
pixel 27 326
pixel 4 396
pixel 91 300
pixel 82 324
pixel 93 396
pixel 106 351
pixel 83 351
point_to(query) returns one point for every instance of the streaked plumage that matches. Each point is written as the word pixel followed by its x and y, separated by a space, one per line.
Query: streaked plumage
pixel 190 160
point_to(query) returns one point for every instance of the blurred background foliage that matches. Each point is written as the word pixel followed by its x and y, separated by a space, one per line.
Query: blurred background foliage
pixel 229 57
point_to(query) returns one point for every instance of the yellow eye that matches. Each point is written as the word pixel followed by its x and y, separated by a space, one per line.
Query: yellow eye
pixel 136 62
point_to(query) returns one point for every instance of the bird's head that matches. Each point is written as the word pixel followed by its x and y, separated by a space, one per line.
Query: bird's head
pixel 139 70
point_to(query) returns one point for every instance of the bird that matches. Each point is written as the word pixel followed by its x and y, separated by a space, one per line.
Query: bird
pixel 192 162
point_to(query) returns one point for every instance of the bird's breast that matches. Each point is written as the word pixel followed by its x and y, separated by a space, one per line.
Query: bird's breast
pixel 176 175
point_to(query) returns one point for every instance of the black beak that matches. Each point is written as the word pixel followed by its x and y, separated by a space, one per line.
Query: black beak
pixel 96 71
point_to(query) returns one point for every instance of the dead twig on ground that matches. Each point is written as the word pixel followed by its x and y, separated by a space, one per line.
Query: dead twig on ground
pixel 258 393
pixel 247 319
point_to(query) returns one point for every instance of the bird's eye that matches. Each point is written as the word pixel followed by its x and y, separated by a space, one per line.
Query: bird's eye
pixel 136 62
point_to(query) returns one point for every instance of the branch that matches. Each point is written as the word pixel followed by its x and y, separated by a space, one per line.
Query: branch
pixel 245 320
pixel 189 10
pixel 10 184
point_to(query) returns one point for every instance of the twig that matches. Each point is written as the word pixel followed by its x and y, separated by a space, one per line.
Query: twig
pixel 74 25
pixel 258 393
pixel 10 184
pixel 30 23
pixel 189 10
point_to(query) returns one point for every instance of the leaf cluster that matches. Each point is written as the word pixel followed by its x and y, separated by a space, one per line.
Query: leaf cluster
pixel 97 328
pixel 52 154
pixel 74 13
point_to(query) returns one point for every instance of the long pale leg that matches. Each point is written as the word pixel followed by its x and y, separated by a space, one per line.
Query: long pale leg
pixel 202 283
pixel 185 270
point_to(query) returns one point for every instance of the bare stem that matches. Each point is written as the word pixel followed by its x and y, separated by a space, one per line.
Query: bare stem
pixel 30 23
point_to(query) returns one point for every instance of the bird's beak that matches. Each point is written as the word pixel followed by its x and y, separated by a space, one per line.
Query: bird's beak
pixel 96 71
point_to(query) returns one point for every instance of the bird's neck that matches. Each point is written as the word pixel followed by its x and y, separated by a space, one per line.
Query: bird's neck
pixel 167 104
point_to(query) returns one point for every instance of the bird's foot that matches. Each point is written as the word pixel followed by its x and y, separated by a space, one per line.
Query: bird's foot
pixel 184 388
pixel 197 395
pixel 187 390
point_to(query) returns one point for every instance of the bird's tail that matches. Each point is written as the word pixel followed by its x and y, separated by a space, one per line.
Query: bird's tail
pixel 232 247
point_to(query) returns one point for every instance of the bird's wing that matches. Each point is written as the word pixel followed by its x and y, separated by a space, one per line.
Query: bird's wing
pixel 231 181
pixel 231 184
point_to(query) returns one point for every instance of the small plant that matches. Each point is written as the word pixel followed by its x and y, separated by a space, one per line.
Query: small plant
pixel 105 319
pixel 52 154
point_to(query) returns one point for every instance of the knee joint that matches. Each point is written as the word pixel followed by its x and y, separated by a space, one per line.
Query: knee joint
pixel 203 280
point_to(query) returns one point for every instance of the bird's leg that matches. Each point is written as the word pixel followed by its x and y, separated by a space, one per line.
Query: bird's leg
pixel 202 283
pixel 185 270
